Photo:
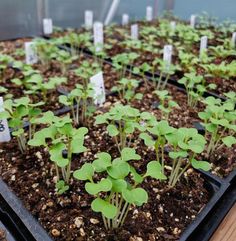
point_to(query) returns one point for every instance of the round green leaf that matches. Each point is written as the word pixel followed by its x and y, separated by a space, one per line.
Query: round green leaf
pixel 107 209
pixel 85 173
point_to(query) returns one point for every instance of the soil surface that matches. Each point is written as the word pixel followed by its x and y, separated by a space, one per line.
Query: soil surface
pixel 69 216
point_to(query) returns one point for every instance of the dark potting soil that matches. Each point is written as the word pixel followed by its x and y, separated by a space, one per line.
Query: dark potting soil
pixel 69 216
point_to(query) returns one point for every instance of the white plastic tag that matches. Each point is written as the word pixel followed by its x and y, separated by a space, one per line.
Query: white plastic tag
pixel 173 25
pixel 149 13
pixel 88 19
pixel 134 31
pixel 98 36
pixel 47 26
pixel 203 43
pixel 125 19
pixel 234 39
pixel 5 135
pixel 167 55
pixel 98 85
pixel 193 21
pixel 30 53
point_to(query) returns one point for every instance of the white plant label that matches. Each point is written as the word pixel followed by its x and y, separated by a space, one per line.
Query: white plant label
pixel 5 135
pixel 167 55
pixel 98 36
pixel 234 39
pixel 98 85
pixel 30 53
pixel 125 19
pixel 88 19
pixel 173 25
pixel 193 21
pixel 203 44
pixel 134 31
pixel 47 26
pixel 149 13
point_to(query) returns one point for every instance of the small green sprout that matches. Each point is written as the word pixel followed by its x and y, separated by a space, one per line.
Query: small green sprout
pixel 59 136
pixel 83 98
pixel 195 86
pixel 184 143
pixel 36 85
pixel 119 189
pixel 220 122
pixel 126 89
pixel 122 121
pixel 17 112
pixel 86 70
pixel 143 69
pixel 167 104
pixel 61 187
pixel 121 62
pixel 166 70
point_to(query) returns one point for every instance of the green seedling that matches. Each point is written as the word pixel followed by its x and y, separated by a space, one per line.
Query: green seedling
pixel 126 89
pixel 121 62
pixel 166 70
pixel 160 130
pixel 65 59
pixel 59 136
pixel 17 112
pixel 221 52
pixel 82 97
pixel 122 121
pixel 37 86
pixel 120 186
pixel 86 71
pixel 219 121
pixel 195 86
pixel 185 144
pixel 142 70
pixel 46 50
pixel 222 70
pixel 166 103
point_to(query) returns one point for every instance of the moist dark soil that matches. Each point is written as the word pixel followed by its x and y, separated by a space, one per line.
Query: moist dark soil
pixel 69 216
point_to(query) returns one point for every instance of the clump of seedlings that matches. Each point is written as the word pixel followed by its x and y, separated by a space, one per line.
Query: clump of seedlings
pixel 122 121
pixel 195 86
pixel 37 86
pixel 60 136
pixel 17 112
pixel 80 101
pixel 119 189
pixel 121 62
pixel 126 89
pixel 184 144
pixel 166 70
pixel 166 103
pixel 219 120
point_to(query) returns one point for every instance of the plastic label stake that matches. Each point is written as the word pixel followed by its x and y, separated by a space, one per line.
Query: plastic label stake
pixel 134 31
pixel 125 19
pixel 5 135
pixel 98 85
pixel 88 19
pixel 30 53
pixel 203 44
pixel 149 13
pixel 193 20
pixel 173 25
pixel 234 39
pixel 98 36
pixel 47 26
pixel 167 56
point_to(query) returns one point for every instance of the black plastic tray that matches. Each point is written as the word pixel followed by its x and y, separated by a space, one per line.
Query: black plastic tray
pixel 213 219
pixel 36 232
pixel 23 225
